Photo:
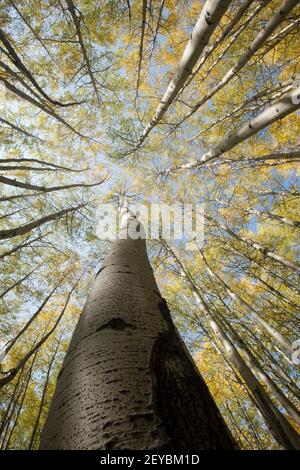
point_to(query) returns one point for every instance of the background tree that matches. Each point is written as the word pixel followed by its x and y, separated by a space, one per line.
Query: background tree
pixel 73 112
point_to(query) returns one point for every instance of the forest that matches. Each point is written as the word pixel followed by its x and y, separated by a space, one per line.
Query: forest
pixel 169 343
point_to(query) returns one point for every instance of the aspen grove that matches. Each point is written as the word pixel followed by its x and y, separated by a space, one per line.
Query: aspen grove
pixel 135 341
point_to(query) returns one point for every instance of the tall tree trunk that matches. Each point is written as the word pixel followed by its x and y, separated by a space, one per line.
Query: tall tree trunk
pixel 127 380
pixel 258 370
pixel 43 397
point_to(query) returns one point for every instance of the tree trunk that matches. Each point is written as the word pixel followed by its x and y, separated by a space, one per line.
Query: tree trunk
pixel 279 16
pixel 208 20
pixel 43 397
pixel 287 105
pixel 127 381
pixel 279 426
pixel 273 332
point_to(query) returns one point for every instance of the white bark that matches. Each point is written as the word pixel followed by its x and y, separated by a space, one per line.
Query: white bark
pixel 234 37
pixel 256 367
pixel 275 92
pixel 281 339
pixel 209 18
pixel 281 157
pixel 227 32
pixel 288 104
pixel 278 17
pixel 280 428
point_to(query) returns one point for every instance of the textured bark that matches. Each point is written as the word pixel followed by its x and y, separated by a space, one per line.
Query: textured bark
pixel 127 380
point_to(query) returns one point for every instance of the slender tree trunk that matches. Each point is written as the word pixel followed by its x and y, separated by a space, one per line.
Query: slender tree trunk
pixel 11 374
pixel 208 20
pixel 9 409
pixel 279 16
pixel 281 339
pixel 283 280
pixel 257 369
pixel 43 397
pixel 127 380
pixel 287 105
pixel 20 246
pixel 279 426
pixel 274 366
pixel 18 282
pixel 227 32
pixel 22 229
pixel 11 343
pixel 259 247
pixel 22 394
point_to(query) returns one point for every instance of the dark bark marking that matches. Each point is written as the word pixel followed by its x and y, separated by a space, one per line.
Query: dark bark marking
pixel 116 324
pixel 181 397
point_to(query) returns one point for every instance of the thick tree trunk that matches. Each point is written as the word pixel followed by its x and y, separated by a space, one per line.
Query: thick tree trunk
pixel 127 380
